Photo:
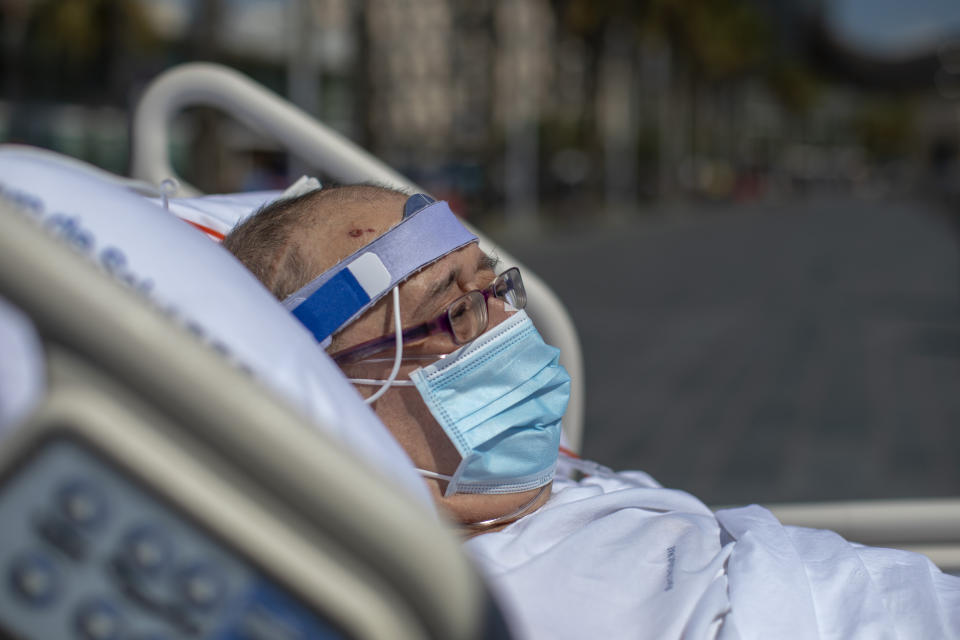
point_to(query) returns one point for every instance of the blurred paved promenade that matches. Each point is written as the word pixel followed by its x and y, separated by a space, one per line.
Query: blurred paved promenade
pixel 791 352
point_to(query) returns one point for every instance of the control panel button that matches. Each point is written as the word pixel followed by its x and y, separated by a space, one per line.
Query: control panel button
pixel 82 502
pixel 202 585
pixel 147 549
pixel 34 578
pixel 58 531
pixel 98 619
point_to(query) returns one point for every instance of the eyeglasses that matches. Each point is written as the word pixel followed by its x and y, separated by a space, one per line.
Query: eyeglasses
pixel 464 320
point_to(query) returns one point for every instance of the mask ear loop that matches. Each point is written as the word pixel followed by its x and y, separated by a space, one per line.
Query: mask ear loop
pixel 399 349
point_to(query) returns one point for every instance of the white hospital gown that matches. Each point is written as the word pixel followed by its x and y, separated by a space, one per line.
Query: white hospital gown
pixel 616 556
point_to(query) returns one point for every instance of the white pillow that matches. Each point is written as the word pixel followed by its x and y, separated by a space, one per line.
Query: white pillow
pixel 200 283
pixel 216 215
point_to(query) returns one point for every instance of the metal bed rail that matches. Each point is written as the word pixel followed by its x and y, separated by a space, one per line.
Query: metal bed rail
pixel 926 525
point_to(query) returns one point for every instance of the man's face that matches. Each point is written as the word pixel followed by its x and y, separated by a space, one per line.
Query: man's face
pixel 423 297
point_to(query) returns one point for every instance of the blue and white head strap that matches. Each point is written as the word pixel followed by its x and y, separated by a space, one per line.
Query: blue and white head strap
pixel 429 231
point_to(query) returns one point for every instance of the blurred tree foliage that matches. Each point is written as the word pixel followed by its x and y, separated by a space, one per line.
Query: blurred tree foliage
pixel 794 85
pixel 885 127
pixel 588 19
pixel 80 29
pixel 719 39
pixel 80 47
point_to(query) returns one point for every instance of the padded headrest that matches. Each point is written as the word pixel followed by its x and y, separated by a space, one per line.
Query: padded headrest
pixel 202 286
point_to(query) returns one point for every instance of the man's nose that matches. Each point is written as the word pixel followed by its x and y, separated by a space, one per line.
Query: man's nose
pixel 497 311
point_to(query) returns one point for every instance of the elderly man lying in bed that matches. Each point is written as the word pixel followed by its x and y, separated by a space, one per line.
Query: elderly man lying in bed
pixel 433 334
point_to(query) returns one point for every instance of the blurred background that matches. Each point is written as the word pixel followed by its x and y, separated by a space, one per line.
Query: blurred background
pixel 751 207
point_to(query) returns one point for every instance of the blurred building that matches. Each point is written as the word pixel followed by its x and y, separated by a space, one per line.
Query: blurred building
pixel 566 107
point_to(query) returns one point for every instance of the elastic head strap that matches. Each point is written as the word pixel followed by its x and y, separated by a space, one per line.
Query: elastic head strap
pixel 341 294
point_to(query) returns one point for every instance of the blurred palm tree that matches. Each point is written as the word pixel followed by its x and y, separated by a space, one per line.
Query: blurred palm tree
pixel 885 127
pixel 716 46
pixel 590 21
pixel 711 47
pixel 718 39
pixel 85 48
pixel 795 87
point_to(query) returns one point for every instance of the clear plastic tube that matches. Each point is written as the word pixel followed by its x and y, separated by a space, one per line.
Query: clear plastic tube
pixel 399 357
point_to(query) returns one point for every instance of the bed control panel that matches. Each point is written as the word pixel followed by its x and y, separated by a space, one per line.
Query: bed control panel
pixel 87 553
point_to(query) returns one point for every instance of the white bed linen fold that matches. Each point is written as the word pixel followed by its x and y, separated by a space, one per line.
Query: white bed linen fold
pixel 612 557
pixel 615 556
pixel 794 582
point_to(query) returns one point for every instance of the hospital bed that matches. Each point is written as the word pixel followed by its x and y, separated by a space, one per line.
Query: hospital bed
pixel 930 526
pixel 148 444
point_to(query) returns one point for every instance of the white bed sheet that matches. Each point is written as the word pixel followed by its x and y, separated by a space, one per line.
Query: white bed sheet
pixel 217 214
pixel 616 556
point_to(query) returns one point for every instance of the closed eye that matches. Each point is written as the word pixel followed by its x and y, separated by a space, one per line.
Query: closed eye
pixel 485 264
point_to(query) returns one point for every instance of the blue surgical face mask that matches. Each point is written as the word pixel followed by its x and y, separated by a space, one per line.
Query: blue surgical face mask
pixel 500 400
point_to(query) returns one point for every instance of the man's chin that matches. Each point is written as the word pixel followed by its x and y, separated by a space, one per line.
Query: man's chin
pixel 481 513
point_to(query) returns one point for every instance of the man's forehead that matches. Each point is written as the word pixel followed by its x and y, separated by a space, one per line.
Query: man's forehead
pixel 345 229
pixel 341 293
pixel 434 281
pixel 433 275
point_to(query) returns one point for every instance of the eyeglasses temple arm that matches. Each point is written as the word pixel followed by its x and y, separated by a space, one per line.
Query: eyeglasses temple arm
pixel 381 344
